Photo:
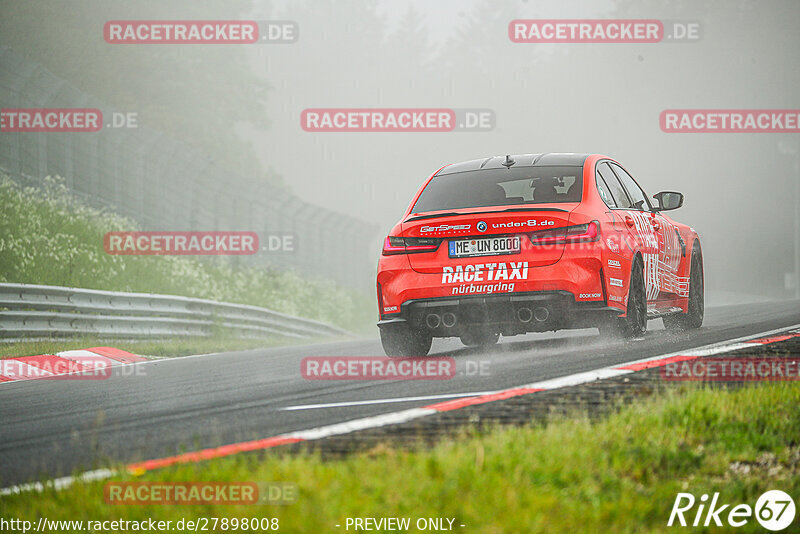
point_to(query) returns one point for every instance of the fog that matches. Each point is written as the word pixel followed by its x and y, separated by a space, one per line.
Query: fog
pixel 740 188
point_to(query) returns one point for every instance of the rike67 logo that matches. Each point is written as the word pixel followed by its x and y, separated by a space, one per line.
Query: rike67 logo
pixel 774 510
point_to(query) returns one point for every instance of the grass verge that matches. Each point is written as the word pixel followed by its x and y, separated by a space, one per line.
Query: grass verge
pixel 618 474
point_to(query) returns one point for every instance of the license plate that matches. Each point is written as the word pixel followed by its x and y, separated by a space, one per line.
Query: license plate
pixel 485 246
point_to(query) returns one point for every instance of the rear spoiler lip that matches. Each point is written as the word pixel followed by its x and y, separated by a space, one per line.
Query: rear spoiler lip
pixel 455 214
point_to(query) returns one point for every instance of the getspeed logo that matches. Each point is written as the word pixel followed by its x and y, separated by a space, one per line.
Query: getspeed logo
pixel 444 228
pixel 481 226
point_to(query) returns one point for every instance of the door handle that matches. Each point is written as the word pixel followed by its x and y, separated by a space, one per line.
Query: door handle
pixel 656 225
pixel 629 221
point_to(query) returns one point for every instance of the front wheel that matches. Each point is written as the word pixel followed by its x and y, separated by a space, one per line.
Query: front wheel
pixel 693 318
pixel 399 340
pixel 634 324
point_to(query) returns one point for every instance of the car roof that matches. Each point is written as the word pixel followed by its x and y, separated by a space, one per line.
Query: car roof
pixel 521 160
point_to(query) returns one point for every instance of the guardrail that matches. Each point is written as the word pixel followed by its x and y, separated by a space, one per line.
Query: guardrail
pixel 30 311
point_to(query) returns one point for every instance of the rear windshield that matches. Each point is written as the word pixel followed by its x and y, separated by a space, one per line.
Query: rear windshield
pixel 501 187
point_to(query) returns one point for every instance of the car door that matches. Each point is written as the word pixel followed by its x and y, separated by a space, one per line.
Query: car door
pixel 617 239
pixel 638 230
pixel 658 232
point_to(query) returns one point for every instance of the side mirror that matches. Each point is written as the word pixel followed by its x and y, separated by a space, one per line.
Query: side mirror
pixel 668 200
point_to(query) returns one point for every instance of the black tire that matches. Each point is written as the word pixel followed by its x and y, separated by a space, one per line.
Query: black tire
pixel 480 338
pixel 634 324
pixel 401 341
pixel 694 317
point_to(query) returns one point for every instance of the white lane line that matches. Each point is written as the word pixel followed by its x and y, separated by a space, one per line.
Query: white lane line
pixel 724 346
pixel 385 401
pixel 59 483
pixel 717 350
pixel 360 424
pixel 577 379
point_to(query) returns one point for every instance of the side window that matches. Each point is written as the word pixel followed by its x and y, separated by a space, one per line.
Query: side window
pixel 605 194
pixel 638 198
pixel 617 192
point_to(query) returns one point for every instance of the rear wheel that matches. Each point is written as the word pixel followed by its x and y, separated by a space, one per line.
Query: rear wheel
pixel 634 324
pixel 480 338
pixel 693 318
pixel 400 340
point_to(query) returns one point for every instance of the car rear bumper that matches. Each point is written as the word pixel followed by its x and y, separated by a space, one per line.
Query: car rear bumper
pixel 510 314
pixel 572 293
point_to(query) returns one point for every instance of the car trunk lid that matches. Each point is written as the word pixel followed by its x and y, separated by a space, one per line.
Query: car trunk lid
pixel 475 225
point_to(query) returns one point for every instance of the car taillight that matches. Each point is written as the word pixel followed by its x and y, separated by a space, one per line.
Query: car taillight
pixel 579 233
pixel 409 245
pixel 394 245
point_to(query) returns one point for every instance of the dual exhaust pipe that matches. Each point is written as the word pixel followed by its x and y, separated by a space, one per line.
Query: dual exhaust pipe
pixel 539 314
pixel 448 320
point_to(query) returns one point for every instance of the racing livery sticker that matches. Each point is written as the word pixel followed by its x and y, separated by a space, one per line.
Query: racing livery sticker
pixel 533 223
pixel 499 274
pixel 444 228
pixel 661 254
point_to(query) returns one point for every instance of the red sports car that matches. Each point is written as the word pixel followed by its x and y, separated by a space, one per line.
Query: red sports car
pixel 535 242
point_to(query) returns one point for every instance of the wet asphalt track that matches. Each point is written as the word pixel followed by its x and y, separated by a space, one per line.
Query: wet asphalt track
pixel 50 428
